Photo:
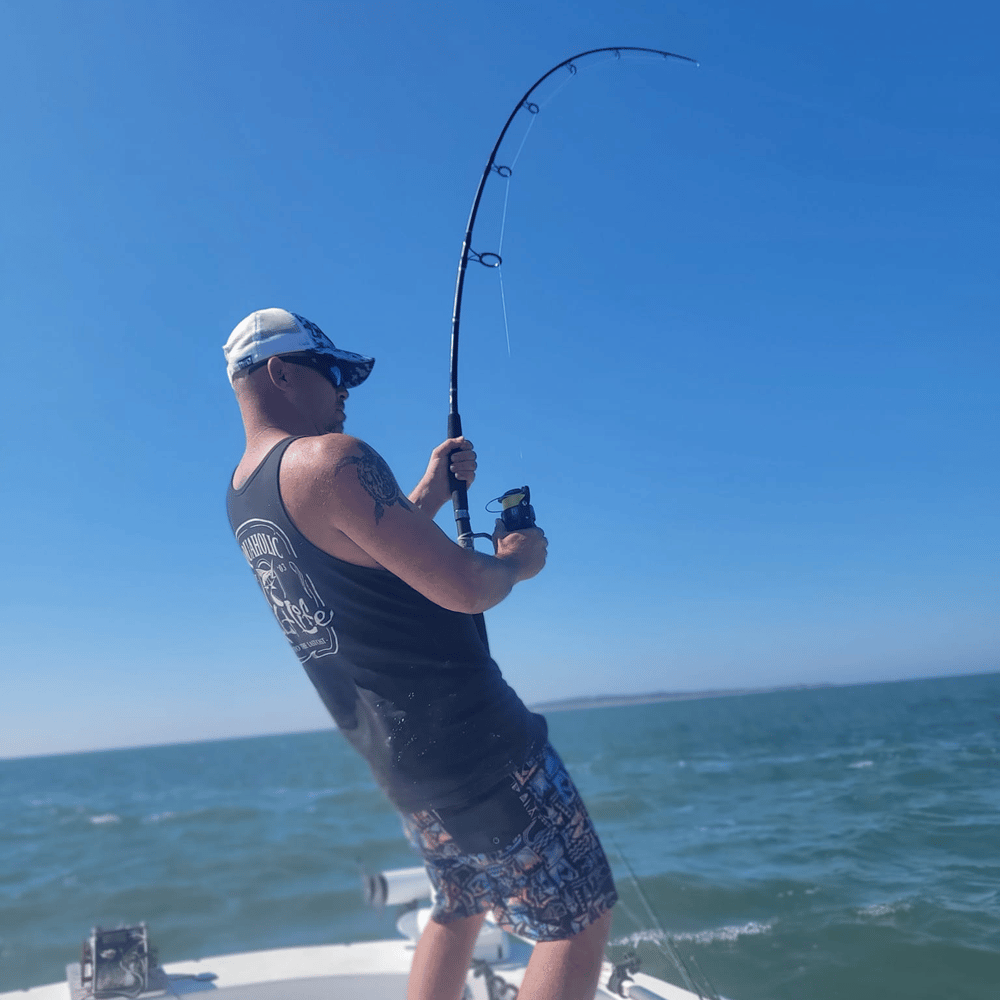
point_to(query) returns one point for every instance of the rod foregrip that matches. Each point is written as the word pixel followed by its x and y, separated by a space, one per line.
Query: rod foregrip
pixel 459 492
pixel 463 523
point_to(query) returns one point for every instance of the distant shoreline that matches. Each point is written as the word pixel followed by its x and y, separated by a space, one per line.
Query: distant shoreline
pixel 618 701
pixel 556 705
pixel 624 700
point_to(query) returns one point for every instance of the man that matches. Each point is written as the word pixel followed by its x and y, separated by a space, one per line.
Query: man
pixel 378 604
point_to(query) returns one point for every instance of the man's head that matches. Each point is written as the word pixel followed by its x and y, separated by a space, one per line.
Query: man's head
pixel 268 333
pixel 287 373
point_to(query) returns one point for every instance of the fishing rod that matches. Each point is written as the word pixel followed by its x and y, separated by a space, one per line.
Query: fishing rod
pixel 516 509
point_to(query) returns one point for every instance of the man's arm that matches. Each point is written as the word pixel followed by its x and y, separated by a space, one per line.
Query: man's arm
pixel 336 485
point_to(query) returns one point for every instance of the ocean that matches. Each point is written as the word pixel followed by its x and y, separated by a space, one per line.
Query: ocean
pixel 825 843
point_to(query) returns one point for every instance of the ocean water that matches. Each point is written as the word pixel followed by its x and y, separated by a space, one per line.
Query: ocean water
pixel 825 844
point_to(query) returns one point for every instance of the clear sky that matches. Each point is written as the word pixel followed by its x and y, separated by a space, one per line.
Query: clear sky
pixel 752 311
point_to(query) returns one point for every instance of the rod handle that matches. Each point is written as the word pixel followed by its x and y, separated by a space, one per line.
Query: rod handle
pixel 459 492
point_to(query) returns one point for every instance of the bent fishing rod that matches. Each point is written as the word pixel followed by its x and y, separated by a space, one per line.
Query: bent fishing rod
pixel 516 509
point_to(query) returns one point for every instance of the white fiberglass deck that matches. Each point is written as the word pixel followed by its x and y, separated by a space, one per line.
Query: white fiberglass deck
pixel 374 970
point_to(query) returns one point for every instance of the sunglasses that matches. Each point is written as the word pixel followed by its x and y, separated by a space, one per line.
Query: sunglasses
pixel 324 364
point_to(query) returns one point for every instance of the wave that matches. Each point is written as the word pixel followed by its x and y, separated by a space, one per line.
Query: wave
pixel 727 934
pixel 877 910
pixel 159 817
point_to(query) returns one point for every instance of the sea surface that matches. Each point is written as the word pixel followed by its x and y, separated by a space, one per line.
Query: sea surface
pixel 815 844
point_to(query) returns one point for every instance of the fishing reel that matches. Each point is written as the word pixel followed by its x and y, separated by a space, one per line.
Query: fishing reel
pixel 515 511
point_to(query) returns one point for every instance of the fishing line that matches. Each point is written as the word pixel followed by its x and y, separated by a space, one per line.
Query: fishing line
pixel 508 171
pixel 503 303
pixel 663 941
pixel 503 221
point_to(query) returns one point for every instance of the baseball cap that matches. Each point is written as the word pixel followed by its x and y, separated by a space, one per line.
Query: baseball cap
pixel 268 332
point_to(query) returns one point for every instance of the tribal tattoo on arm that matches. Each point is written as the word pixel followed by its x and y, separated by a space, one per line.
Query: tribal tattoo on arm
pixel 376 479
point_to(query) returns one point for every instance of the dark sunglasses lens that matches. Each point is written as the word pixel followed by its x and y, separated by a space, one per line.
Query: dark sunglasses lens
pixel 325 367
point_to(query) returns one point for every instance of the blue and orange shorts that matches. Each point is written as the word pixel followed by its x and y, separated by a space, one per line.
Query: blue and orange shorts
pixel 527 850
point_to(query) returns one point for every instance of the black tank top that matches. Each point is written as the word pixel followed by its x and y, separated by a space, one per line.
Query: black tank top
pixel 409 683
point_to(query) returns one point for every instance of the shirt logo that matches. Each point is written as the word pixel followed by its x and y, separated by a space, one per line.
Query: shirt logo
pixel 297 605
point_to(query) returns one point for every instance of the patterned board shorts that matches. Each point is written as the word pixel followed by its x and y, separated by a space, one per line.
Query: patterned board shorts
pixel 527 850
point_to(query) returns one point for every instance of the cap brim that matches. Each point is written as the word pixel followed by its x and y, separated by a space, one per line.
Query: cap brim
pixel 354 368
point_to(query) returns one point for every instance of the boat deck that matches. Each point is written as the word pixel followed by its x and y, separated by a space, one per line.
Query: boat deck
pixel 372 970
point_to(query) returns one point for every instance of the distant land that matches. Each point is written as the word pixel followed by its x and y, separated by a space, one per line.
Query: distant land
pixel 617 700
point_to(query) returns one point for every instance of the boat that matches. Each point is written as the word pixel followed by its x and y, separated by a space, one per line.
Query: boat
pixel 121 962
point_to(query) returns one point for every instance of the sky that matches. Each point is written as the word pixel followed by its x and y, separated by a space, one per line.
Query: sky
pixel 745 356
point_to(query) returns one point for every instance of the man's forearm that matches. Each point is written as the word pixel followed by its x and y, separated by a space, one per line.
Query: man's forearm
pixel 426 498
pixel 493 580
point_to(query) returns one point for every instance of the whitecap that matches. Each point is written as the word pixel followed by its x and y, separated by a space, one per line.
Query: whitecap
pixel 634 939
pixel 727 934
pixel 104 818
pixel 731 933
pixel 862 763
pixel 883 909
pixel 159 817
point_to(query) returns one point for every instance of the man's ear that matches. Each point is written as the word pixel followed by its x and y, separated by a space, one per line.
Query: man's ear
pixel 277 370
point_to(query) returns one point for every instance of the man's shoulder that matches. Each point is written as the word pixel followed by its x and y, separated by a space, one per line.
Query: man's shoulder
pixel 324 450
pixel 321 501
pixel 317 461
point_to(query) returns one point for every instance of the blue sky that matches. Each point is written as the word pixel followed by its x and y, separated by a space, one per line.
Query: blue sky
pixel 751 309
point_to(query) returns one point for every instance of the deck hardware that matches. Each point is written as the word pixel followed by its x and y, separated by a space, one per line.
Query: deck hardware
pixel 497 988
